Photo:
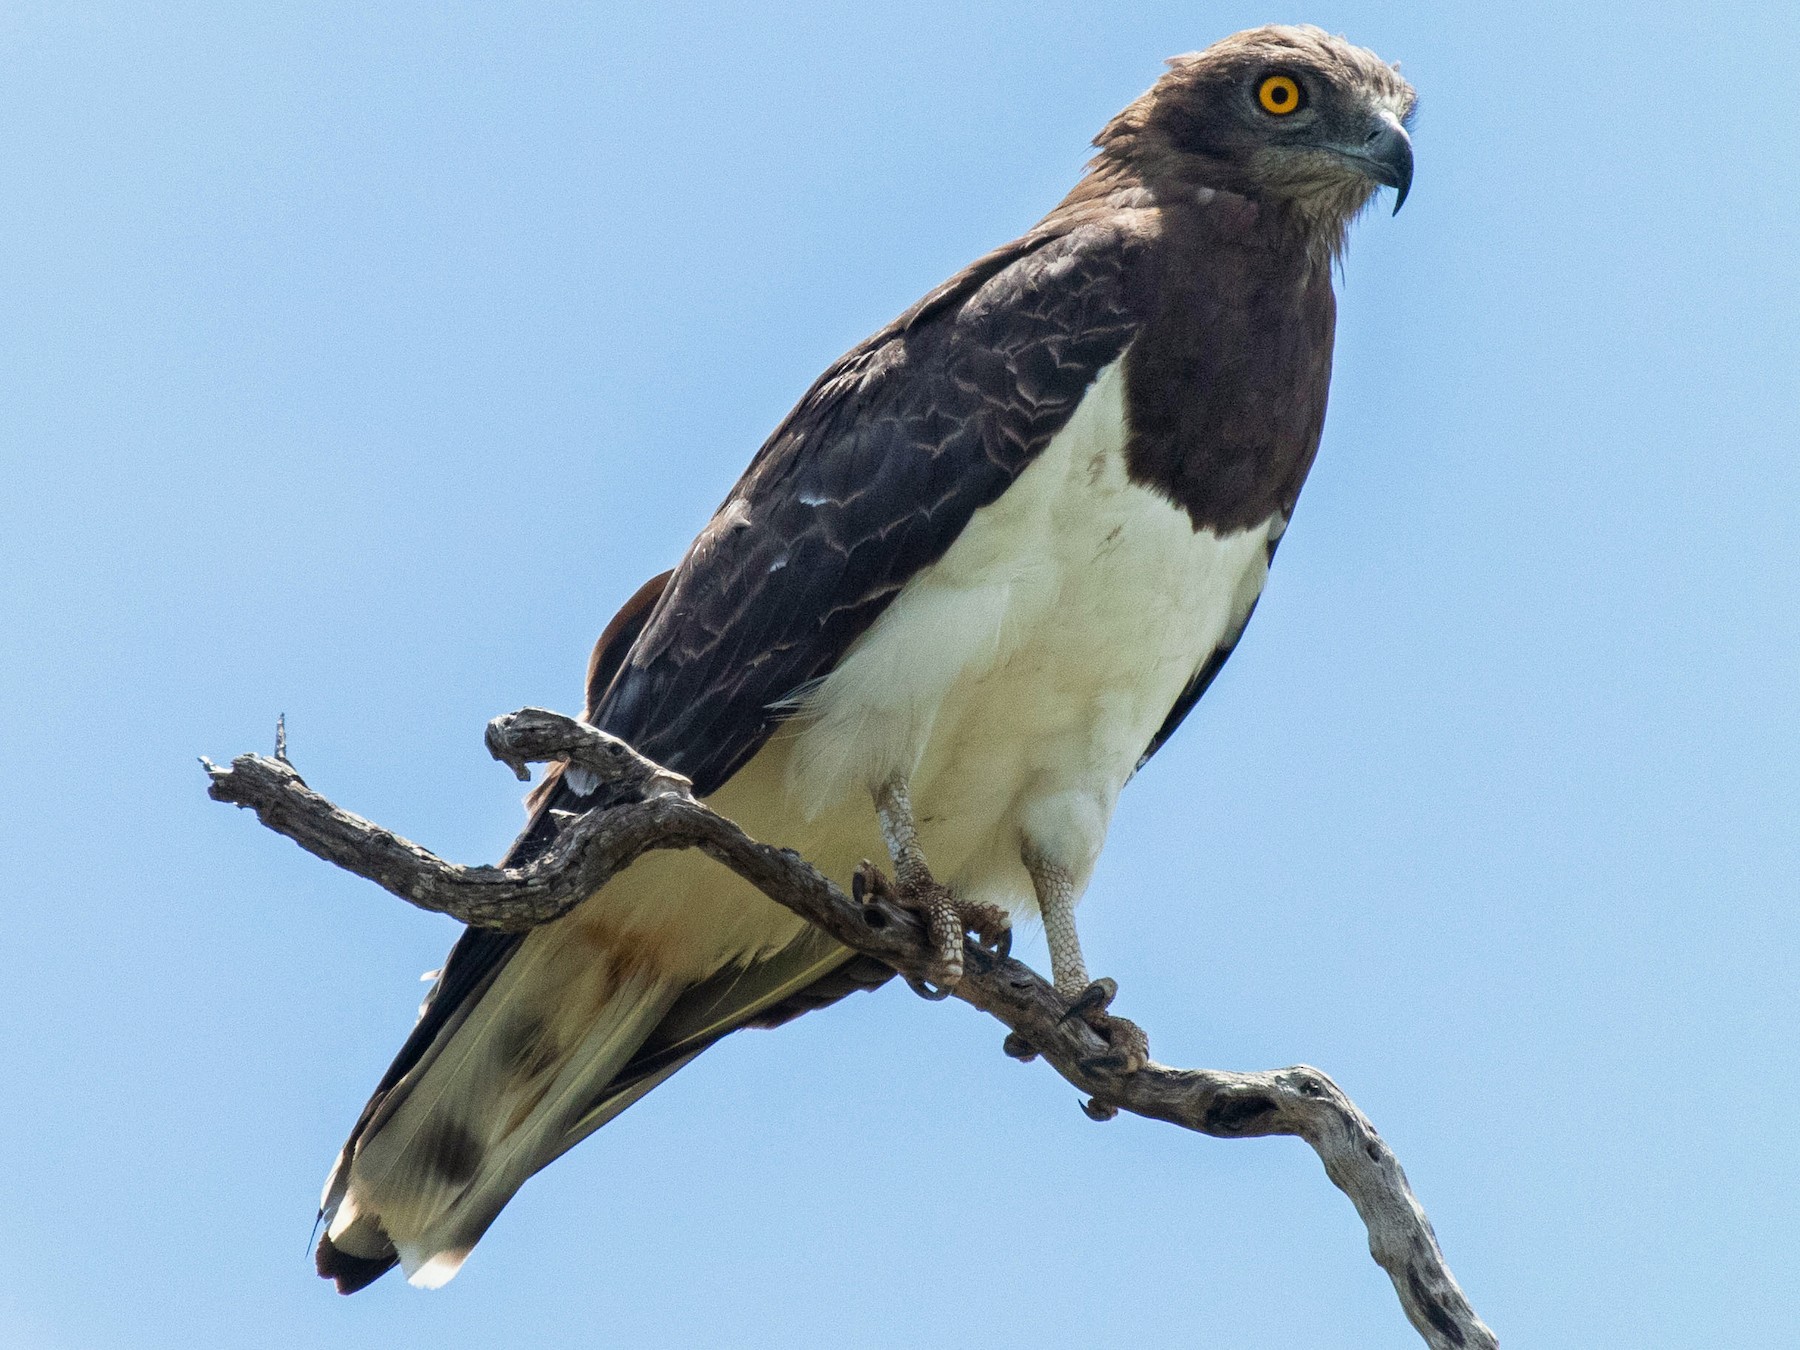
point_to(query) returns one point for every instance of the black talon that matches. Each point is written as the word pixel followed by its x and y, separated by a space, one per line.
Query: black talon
pixel 1127 1048
pixel 1097 997
pixel 925 990
pixel 1095 1109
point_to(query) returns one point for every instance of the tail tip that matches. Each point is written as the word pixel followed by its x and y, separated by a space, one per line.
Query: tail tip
pixel 349 1271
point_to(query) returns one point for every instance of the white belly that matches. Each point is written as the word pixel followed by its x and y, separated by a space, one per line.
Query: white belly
pixel 1013 684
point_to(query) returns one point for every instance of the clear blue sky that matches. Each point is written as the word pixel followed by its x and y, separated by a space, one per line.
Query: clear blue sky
pixel 357 360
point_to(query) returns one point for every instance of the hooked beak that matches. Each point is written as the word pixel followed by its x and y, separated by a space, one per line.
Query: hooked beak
pixel 1386 156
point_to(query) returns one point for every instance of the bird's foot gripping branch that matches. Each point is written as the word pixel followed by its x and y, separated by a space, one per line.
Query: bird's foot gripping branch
pixel 648 808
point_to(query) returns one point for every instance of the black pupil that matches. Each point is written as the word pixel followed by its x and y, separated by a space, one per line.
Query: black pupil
pixel 1279 93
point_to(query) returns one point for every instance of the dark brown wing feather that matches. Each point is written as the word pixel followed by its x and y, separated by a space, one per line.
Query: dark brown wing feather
pixel 615 642
pixel 869 480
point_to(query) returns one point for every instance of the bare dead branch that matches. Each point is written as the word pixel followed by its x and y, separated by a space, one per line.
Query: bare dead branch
pixel 648 807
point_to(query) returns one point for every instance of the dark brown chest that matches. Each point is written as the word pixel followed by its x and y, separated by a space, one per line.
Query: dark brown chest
pixel 1226 383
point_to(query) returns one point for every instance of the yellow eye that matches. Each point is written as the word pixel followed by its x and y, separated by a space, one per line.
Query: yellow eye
pixel 1278 94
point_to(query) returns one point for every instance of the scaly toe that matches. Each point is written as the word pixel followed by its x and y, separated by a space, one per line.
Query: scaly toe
pixel 1130 1047
pixel 944 932
pixel 869 883
pixel 936 908
pixel 948 922
pixel 1017 1047
pixel 989 924
pixel 1096 998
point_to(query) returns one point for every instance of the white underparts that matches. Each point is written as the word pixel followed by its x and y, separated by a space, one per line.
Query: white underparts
pixel 1011 687
pixel 1014 684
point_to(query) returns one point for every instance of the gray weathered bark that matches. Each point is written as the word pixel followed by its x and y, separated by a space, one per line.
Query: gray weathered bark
pixel 655 809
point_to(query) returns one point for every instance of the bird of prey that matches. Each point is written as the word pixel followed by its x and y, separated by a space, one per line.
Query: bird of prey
pixel 966 589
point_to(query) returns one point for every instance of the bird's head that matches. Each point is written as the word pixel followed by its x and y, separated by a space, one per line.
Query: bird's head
pixel 1292 114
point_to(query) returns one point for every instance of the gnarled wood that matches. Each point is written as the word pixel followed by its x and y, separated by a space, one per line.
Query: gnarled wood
pixel 655 809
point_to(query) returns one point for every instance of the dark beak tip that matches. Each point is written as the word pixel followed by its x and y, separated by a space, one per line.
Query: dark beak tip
pixel 1391 151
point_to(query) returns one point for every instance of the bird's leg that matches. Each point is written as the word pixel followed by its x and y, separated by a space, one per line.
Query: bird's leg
pixel 1056 902
pixel 947 919
pixel 1088 1000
